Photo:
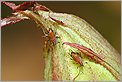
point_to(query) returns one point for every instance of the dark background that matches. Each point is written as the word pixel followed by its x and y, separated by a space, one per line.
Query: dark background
pixel 22 43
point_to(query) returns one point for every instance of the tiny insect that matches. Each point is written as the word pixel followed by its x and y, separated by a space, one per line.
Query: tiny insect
pixel 92 55
pixel 52 36
pixel 76 57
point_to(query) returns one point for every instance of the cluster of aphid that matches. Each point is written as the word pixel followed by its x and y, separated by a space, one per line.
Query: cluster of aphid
pixel 86 51
pixel 75 56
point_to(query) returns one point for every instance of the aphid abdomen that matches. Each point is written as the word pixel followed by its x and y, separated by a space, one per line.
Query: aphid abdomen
pixel 77 58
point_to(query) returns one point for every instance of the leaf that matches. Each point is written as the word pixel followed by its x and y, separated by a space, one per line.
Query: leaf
pixel 11 20
pixel 72 29
pixel 17 16
pixel 23 6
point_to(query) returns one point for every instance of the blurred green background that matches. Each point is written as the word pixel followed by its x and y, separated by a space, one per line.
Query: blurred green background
pixel 22 43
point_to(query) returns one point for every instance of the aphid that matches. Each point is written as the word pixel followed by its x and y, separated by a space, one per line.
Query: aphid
pixel 92 55
pixel 76 57
pixel 51 36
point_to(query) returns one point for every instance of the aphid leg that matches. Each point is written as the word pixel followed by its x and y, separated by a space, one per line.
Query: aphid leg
pixel 78 73
pixel 41 27
pixel 56 39
pixel 57 36
pixel 45 35
pixel 70 54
